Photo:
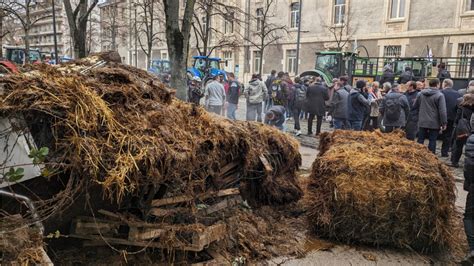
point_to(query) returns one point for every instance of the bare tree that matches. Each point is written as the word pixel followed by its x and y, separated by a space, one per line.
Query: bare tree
pixel 77 19
pixel 148 23
pixel 177 39
pixel 113 23
pixel 341 30
pixel 93 32
pixel 21 11
pixel 267 32
pixel 205 13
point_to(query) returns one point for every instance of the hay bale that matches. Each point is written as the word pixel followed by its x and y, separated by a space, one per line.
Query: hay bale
pixel 381 189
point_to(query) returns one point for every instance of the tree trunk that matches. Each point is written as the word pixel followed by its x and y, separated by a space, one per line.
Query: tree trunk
pixel 260 69
pixel 178 42
pixel 27 45
pixel 1 33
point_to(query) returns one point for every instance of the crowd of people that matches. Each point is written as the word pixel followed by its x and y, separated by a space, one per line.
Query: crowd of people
pixel 423 109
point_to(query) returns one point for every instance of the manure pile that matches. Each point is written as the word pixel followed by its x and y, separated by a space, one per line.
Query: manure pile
pixel 383 190
pixel 160 163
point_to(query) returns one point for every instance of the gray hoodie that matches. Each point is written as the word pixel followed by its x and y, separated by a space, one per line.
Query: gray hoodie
pixel 256 91
pixel 432 112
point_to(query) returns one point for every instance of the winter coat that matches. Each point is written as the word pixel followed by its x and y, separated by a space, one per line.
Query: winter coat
pixel 443 74
pixel 465 107
pixel 431 106
pixel 256 91
pixel 387 76
pixel 316 95
pixel 469 161
pixel 405 77
pixel 269 82
pixel 411 97
pixel 233 92
pixel 299 104
pixel 451 97
pixel 357 107
pixel 279 112
pixel 280 97
pixel 215 94
pixel 404 109
pixel 375 99
pixel 339 103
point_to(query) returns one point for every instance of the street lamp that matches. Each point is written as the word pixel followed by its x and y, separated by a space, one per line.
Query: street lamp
pixel 56 58
pixel 298 38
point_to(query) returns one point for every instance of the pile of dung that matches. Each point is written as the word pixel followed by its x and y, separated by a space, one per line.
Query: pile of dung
pixel 382 190
pixel 118 128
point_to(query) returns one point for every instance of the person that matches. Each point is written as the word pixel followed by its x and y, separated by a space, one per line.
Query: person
pixel 394 109
pixel 420 85
pixel 464 91
pixel 268 83
pixel 275 116
pixel 344 82
pixel 375 97
pixel 469 187
pixel 255 93
pixel 335 84
pixel 451 97
pixel 278 90
pixel 195 92
pixel 316 96
pixel 432 114
pixel 443 73
pixel 412 122
pixel 338 107
pixel 406 76
pixel 290 95
pixel 299 103
pixel 215 95
pixel 357 106
pixel 232 96
pixel 465 108
pixel 388 75
pixel 386 88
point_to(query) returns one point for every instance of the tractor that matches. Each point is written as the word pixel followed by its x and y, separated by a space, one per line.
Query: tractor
pixel 205 67
pixel 333 64
pixel 16 55
pixel 160 68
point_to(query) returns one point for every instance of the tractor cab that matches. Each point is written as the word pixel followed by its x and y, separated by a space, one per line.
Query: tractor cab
pixel 205 67
pixel 159 67
pixel 17 55
pixel 331 64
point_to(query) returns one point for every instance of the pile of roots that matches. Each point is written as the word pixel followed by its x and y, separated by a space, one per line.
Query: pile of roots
pixel 118 128
pixel 381 190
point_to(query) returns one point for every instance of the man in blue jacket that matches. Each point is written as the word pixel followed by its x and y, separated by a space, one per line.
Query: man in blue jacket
pixel 357 106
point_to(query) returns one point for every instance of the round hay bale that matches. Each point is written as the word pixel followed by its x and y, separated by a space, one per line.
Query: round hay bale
pixel 381 190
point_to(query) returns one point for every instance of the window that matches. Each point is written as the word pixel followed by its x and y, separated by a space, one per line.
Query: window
pixel 397 9
pixel 291 61
pixel 465 52
pixel 339 11
pixel 229 23
pixel 392 51
pixel 260 19
pixel 256 61
pixel 295 15
pixel 228 59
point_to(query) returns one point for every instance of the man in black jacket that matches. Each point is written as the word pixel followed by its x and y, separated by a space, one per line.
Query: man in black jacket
pixel 406 76
pixel 451 97
pixel 464 110
pixel 388 75
pixel 233 93
pixel 469 187
pixel 316 95
pixel 443 73
pixel 268 83
pixel 412 122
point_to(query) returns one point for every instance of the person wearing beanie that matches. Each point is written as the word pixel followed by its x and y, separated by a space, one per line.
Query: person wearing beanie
pixel 469 187
pixel 358 106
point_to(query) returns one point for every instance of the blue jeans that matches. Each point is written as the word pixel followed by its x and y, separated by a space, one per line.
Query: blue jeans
pixel 231 108
pixel 431 134
pixel 254 110
pixel 339 123
pixel 356 125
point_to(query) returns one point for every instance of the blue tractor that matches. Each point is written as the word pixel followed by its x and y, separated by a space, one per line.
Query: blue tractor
pixel 205 68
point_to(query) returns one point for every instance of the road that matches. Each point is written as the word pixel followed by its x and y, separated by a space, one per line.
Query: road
pixel 321 252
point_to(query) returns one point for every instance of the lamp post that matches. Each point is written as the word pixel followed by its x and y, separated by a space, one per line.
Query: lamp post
pixel 56 58
pixel 298 39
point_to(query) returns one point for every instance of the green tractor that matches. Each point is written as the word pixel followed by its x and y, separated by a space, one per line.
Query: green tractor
pixel 333 64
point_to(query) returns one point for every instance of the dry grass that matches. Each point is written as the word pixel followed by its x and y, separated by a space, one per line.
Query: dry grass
pixel 381 190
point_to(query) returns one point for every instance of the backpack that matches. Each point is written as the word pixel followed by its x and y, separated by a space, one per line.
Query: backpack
pixel 300 94
pixel 463 128
pixel 393 109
